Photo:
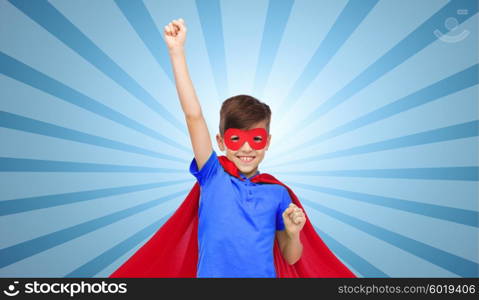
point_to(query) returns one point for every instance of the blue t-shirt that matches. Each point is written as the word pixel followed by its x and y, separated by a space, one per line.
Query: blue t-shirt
pixel 237 222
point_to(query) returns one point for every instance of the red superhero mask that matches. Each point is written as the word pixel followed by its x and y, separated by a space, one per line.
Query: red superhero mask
pixel 235 138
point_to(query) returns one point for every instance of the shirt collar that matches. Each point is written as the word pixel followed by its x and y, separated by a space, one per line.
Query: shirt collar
pixel 244 177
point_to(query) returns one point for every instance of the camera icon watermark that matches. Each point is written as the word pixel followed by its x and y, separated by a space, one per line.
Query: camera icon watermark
pixel 10 291
pixel 452 25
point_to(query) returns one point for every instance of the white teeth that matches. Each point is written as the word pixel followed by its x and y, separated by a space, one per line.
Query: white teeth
pixel 245 158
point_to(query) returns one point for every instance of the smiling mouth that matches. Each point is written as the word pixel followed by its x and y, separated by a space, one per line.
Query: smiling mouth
pixel 246 159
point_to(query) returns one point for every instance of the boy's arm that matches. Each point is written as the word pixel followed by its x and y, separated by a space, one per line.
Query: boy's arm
pixel 175 35
pixel 290 246
pixel 288 239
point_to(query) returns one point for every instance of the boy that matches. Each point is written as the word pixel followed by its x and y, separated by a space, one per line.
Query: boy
pixel 237 219
pixel 235 222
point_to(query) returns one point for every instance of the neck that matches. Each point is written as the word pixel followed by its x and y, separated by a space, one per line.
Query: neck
pixel 250 174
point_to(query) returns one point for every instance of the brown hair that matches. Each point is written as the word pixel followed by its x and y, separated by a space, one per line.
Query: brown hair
pixel 242 112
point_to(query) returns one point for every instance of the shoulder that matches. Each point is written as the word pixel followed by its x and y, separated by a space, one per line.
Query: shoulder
pixel 275 189
pixel 280 187
pixel 209 171
pixel 279 190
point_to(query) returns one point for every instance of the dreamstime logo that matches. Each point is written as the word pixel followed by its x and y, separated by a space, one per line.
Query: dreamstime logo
pixel 11 290
pixel 452 25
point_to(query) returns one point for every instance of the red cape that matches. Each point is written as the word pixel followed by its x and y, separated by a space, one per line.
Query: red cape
pixel 173 250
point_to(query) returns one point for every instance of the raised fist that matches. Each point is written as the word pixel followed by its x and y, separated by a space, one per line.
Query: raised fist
pixel 175 34
pixel 294 219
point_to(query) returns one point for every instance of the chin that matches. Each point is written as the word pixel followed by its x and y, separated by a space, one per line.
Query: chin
pixel 246 170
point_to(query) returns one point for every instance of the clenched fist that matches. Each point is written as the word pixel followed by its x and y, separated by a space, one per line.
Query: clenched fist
pixel 294 219
pixel 175 34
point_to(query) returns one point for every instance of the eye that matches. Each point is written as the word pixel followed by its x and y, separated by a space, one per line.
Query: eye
pixel 235 138
pixel 258 139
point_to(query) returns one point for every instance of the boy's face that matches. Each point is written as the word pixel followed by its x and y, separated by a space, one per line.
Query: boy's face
pixel 242 157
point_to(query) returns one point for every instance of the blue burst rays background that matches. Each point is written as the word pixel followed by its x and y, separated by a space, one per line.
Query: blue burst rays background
pixel 375 125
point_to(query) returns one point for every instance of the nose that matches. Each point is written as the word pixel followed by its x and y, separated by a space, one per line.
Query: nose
pixel 246 147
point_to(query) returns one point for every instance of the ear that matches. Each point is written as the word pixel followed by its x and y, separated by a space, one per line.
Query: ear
pixel 268 142
pixel 220 142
